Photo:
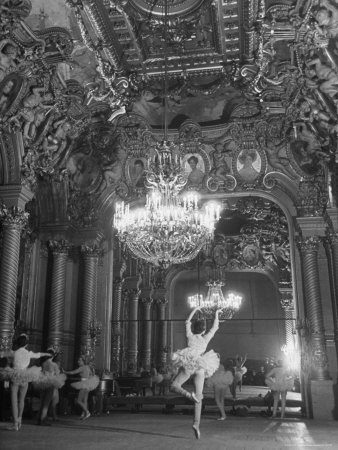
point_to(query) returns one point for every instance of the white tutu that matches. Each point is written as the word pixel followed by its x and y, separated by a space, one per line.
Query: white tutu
pixel 89 384
pixel 21 376
pixel 47 381
pixel 274 384
pixel 221 379
pixel 192 361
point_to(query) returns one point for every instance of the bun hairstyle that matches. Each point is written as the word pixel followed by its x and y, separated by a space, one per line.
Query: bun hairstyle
pixel 52 352
pixel 22 340
pixel 198 326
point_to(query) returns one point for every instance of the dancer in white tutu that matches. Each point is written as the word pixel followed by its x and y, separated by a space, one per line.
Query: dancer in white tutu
pixel 240 370
pixel 49 384
pixel 88 382
pixel 20 375
pixel 193 361
pixel 221 381
pixel 279 380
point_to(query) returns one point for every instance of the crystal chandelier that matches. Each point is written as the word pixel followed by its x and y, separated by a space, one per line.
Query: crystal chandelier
pixel 216 300
pixel 170 228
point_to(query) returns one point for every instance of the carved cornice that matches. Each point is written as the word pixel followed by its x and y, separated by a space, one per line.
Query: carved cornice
pixel 91 250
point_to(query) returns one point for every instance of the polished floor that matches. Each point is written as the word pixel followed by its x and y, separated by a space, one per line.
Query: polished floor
pixel 152 430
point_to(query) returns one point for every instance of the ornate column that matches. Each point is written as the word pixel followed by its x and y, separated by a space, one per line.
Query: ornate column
pixel 132 352
pixel 90 253
pixel 60 251
pixel 331 248
pixel 286 301
pixel 116 319
pixel 162 328
pixel 13 221
pixel 313 306
pixel 146 301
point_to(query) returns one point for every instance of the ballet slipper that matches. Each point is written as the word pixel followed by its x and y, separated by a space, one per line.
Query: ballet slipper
pixel 196 431
pixel 221 418
pixel 14 427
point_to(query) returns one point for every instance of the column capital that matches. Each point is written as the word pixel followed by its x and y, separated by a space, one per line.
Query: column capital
pixel 331 237
pixel 13 217
pixel 92 249
pixel 146 301
pixel 59 247
pixel 286 299
pixel 309 244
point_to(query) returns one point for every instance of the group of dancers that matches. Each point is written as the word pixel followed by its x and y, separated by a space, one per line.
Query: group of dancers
pixel 190 362
pixel 47 378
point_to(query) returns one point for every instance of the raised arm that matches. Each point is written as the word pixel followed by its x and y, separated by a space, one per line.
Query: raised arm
pixel 188 321
pixel 33 355
pixel 215 325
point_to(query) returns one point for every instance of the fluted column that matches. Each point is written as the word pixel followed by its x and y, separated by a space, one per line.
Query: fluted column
pixel 90 255
pixel 313 306
pixel 162 328
pixel 60 251
pixel 331 248
pixel 146 301
pixel 133 295
pixel 13 221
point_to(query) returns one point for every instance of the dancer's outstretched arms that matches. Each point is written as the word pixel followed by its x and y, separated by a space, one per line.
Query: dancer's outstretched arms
pixel 215 325
pixel 188 321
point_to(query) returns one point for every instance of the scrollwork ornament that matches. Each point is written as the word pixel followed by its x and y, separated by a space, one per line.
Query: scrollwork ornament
pixel 13 217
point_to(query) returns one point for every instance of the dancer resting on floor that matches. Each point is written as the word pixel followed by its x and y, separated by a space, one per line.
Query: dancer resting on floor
pixel 192 361
pixel 221 382
pixel 279 380
pixel 88 383
pixel 20 375
pixel 49 384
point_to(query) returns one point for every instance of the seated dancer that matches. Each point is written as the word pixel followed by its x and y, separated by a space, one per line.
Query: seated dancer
pixel 221 381
pixel 240 370
pixel 20 375
pixel 49 384
pixel 279 380
pixel 88 382
pixel 193 361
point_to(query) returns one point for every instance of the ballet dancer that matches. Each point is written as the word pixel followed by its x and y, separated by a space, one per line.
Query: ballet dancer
pixel 221 382
pixel 192 361
pixel 280 381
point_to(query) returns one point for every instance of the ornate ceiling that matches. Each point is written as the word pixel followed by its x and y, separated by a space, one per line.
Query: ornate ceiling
pixel 252 94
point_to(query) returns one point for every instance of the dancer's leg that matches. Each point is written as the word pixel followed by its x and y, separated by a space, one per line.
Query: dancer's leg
pixel 55 401
pixel 80 400
pixel 219 398
pixel 283 395
pixel 176 385
pixel 47 398
pixel 199 384
pixel 275 403
pixel 22 396
pixel 14 403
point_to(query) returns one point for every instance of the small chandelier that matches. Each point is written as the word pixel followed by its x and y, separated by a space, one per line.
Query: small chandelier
pixel 170 228
pixel 216 300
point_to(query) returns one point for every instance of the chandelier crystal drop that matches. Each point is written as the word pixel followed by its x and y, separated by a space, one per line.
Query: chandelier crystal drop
pixel 215 300
pixel 170 228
